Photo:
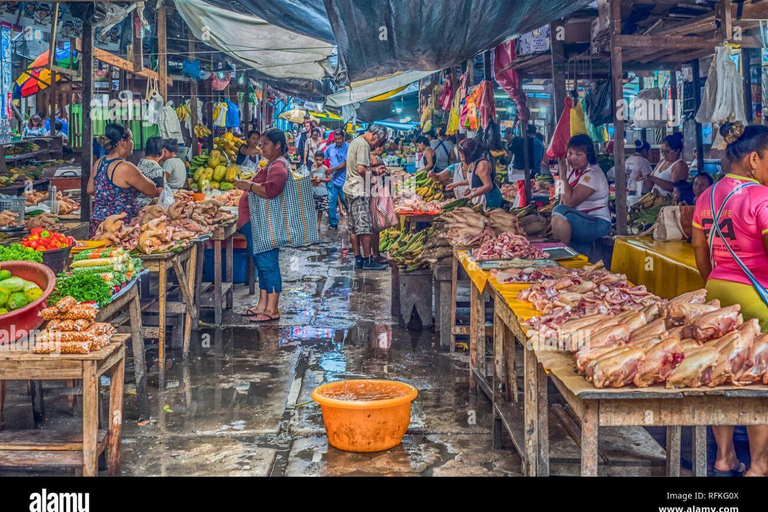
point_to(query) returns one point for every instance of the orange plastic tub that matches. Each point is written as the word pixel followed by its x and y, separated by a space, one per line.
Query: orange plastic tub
pixel 365 415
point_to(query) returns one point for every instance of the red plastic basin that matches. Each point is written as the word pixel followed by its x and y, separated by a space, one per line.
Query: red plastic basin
pixel 17 324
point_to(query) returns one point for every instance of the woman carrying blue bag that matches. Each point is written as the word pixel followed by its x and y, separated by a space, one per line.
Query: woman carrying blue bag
pixel 730 240
pixel 268 183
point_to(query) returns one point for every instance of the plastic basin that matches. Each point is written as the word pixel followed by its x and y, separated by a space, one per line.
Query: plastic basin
pixel 17 324
pixel 365 415
pixel 56 259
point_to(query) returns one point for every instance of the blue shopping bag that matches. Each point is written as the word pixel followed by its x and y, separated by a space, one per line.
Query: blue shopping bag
pixel 288 220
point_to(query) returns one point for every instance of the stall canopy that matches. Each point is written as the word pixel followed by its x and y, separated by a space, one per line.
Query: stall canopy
pixel 386 36
pixel 271 50
pixel 365 90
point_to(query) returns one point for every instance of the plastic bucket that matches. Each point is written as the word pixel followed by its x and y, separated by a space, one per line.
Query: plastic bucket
pixel 365 415
pixel 56 259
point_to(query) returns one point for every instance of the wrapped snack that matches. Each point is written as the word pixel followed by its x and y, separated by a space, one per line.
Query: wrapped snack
pixel 81 312
pixel 68 347
pixel 65 304
pixel 78 325
pixel 98 343
pixel 63 336
pixel 101 329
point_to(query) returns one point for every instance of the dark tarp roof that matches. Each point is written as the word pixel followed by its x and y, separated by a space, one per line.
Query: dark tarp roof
pixel 305 17
pixel 430 34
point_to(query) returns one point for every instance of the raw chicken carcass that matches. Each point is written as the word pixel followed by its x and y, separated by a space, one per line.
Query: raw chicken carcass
pixel 750 329
pixel 659 362
pixel 681 313
pixel 733 361
pixel 695 370
pixel 616 369
pixel 694 297
pixel 585 357
pixel 655 328
pixel 653 311
pixel 609 336
pixel 715 324
pixel 759 359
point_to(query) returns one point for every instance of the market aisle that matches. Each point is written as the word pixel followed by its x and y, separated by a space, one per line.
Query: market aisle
pixel 242 405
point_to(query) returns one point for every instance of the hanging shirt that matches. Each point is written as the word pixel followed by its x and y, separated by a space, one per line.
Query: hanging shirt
pixel 170 127
pixel 596 204
pixel 743 223
pixel 220 115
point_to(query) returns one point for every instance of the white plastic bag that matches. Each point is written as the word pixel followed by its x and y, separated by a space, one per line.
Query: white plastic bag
pixel 166 198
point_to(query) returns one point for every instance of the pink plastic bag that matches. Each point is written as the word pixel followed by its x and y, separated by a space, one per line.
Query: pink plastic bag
pixel 503 56
pixel 382 208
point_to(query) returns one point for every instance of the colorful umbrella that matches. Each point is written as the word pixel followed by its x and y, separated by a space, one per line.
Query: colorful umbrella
pixel 38 76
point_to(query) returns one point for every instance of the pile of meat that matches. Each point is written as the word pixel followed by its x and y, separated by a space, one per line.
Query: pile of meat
pixel 417 204
pixel 505 222
pixel 464 227
pixel 156 230
pixel 71 329
pixel 230 197
pixel 8 218
pixel 530 274
pixel 685 343
pixel 508 246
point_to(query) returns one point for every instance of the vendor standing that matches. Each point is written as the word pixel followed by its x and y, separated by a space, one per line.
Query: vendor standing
pixel 481 177
pixel 736 266
pixel 428 160
pixel 268 183
pixel 672 167
pixel 249 154
pixel 582 215
pixel 115 183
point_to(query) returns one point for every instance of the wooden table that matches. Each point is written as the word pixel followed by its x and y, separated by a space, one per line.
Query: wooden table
pixel 160 264
pixel 43 448
pixel 221 289
pixel 442 285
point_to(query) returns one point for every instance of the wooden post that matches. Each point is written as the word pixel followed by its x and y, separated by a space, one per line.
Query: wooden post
pixel 487 65
pixel 470 72
pixel 557 49
pixel 52 67
pixel 617 74
pixel 746 61
pixel 640 87
pixel 697 103
pixel 87 125
pixel 527 156
pixel 138 43
pixel 247 102
pixel 162 50
pixel 673 94
pixel 193 92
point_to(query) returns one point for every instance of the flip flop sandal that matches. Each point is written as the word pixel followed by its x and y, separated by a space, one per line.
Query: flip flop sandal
pixel 249 313
pixel 267 318
pixel 733 473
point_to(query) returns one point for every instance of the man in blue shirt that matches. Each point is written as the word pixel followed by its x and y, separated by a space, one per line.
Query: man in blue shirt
pixel 65 124
pixel 336 153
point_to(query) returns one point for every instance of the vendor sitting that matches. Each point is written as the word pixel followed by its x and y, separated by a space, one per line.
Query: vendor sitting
pixel 582 215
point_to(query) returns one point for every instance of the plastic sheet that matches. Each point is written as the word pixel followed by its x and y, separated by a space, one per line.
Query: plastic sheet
pixel 558 146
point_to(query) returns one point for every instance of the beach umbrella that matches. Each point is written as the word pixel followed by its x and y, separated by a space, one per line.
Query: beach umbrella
pixel 38 76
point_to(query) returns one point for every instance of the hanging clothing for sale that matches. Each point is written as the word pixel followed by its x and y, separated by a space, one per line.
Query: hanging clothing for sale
pixel 486 106
pixel 170 127
pixel 233 115
pixel 594 133
pixel 446 96
pixel 426 118
pixel 220 115
pixel 508 79
pixel 453 117
pixel 723 98
pixel 558 146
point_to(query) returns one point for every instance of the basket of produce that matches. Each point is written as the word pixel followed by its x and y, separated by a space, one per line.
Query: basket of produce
pixel 54 246
pixel 24 288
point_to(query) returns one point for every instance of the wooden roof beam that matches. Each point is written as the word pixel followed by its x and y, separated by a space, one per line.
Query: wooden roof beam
pixel 121 63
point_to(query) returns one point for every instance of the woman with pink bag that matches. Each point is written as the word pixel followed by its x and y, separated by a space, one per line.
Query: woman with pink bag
pixel 382 205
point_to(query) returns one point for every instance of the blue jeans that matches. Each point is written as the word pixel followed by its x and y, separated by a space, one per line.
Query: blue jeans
pixel 585 228
pixel 267 264
pixel 334 194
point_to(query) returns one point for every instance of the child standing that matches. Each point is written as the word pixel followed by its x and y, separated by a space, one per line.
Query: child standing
pixel 319 187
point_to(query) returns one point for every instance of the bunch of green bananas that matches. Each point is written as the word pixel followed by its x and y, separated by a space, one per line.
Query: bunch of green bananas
pixel 406 249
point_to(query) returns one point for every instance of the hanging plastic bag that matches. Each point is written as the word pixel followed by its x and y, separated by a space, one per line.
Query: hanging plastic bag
pixel 558 146
pixel 600 104
pixel 730 89
pixel 645 109
pixel 166 198
pixel 453 117
pixel 578 125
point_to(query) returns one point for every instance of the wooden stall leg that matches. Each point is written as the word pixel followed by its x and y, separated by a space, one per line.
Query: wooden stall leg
pixel 531 415
pixel 38 403
pixel 251 275
pixel 2 401
pixel 499 378
pixel 473 339
pixel 186 280
pixel 480 338
pixel 117 384
pixel 454 299
pixel 674 442
pixel 90 419
pixel 543 422
pixel 700 451
pixel 509 362
pixel 589 439
pixel 198 283
pixel 162 291
pixel 139 358
pixel 217 296
pixel 446 326
pixel 230 271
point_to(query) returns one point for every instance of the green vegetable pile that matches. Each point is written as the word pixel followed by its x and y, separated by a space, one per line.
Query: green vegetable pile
pixel 17 252
pixel 84 288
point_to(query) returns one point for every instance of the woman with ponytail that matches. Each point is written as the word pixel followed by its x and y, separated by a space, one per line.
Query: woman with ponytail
pixel 672 167
pixel 115 183
pixel 730 240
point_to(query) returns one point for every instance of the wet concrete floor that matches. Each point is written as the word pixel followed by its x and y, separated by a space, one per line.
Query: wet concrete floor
pixel 241 405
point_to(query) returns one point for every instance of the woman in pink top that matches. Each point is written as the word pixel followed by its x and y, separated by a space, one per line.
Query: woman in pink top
pixel 732 257
pixel 268 182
